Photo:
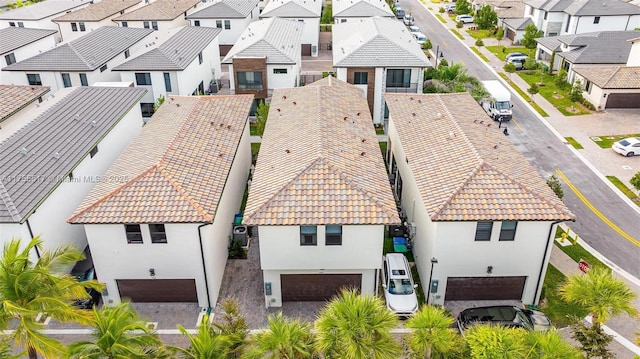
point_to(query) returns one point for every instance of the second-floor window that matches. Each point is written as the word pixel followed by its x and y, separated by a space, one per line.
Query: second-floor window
pixel 134 234
pixel 250 80
pixel 483 231
pixel 81 26
pixel 308 235
pixel 94 151
pixel 103 68
pixel 508 231
pixel 333 235
pixel 74 26
pixel 398 78
pixel 360 78
pixel 279 71
pixel 200 58
pixel 596 20
pixel 146 24
pixel 219 24
pixel 10 58
pixel 143 78
pixel 66 80
pixel 227 24
pixel 147 109
pixel 125 24
pixel 196 23
pixel 34 79
pixel 83 80
pixel 158 234
pixel 154 25
pixel 126 54
pixel 167 81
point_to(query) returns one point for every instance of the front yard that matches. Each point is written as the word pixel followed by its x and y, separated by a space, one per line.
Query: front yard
pixel 559 98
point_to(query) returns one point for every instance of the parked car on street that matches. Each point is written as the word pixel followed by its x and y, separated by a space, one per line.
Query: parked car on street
pixel 465 19
pixel 628 147
pixel 413 29
pixel 400 13
pixel 408 20
pixel 506 315
pixel 420 37
pixel 398 285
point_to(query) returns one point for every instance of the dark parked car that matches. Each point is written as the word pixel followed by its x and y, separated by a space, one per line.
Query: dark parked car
pixel 83 271
pixel 400 13
pixel 509 316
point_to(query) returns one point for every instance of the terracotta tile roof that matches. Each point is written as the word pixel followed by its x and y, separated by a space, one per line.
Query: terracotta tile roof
pixel 175 170
pixel 319 161
pixel 13 98
pixel 98 11
pixel 466 169
pixel 159 10
pixel 612 77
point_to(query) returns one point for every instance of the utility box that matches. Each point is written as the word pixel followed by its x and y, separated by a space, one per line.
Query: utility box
pixel 240 233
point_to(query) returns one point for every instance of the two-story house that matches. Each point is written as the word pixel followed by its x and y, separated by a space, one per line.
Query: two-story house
pixel 15 103
pixel 352 10
pixel 81 62
pixel 186 64
pixel 50 164
pixel 379 55
pixel 475 204
pixel 305 11
pixel 21 43
pixel 39 15
pixel 79 23
pixel 320 195
pixel 159 15
pixel 266 57
pixel 168 223
pixel 230 16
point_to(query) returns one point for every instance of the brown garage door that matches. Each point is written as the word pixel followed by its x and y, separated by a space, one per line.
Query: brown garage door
pixel 623 100
pixel 306 49
pixel 158 290
pixel 511 35
pixel 315 287
pixel 224 49
pixel 484 288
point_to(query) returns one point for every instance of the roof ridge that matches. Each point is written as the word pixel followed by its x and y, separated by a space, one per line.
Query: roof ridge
pixel 77 54
pixel 8 202
pixel 184 194
pixel 613 74
pixel 459 189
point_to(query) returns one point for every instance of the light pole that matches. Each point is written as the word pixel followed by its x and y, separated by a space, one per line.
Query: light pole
pixel 434 260
pixel 438 54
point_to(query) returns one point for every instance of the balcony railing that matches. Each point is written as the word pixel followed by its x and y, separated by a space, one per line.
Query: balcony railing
pixel 254 85
pixel 402 88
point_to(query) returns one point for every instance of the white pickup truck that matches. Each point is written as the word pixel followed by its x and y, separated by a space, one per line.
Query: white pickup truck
pixel 498 105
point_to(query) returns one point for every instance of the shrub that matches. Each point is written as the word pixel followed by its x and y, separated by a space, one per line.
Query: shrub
pixel 531 64
pixel 459 25
pixel 236 251
pixel 441 10
pixel 576 92
pixel 561 79
pixel 554 183
pixel 479 42
pixel 635 181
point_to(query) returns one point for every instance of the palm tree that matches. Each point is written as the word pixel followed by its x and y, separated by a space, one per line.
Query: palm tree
pixel 205 344
pixel 550 345
pixel 233 326
pixel 353 326
pixel 30 288
pixel 432 331
pixel 600 293
pixel 118 334
pixel 284 339
pixel 495 341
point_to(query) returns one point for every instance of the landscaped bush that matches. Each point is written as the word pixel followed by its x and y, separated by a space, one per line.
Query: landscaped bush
pixel 576 92
pixel 561 80
pixel 531 64
pixel 441 10
pixel 479 42
pixel 459 25
pixel 588 105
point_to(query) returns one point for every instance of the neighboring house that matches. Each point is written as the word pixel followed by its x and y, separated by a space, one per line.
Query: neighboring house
pixel 562 17
pixel 320 195
pixel 514 28
pixel 159 15
pixel 50 165
pixel 186 64
pixel 266 57
pixel 15 102
pixel 39 15
pixel 81 62
pixel 92 17
pixel 18 43
pixel 167 221
pixel 610 86
pixel 304 11
pixel 378 55
pixel 231 16
pixel 634 53
pixel 475 204
pixel 351 10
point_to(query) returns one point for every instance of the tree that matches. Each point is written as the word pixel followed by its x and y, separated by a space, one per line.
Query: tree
pixel 594 343
pixel 635 181
pixel 427 45
pixel 550 345
pixel 554 183
pixel 463 7
pixel 486 18
pixel 327 15
pixel 118 334
pixel 534 89
pixel 495 341
pixel 284 339
pixel 561 79
pixel 354 326
pixel 509 68
pixel 531 33
pixel 233 326
pixel 262 112
pixel 576 91
pixel 30 288
pixel 432 331
pixel 500 34
pixel 206 343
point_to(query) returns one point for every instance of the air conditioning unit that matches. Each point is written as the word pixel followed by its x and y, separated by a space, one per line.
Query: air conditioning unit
pixel 240 233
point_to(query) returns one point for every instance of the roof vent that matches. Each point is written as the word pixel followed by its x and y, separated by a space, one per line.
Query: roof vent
pixel 24 151
pixel 56 155
pixel 93 123
pixel 76 118
pixel 451 135
pixel 439 114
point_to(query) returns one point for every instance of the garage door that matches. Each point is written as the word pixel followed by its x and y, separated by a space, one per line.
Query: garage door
pixel 484 288
pixel 224 49
pixel 316 287
pixel 511 35
pixel 623 100
pixel 158 290
pixel 306 49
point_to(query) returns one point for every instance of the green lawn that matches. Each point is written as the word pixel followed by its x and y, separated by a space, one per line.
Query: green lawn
pixel 576 252
pixel 524 95
pixel 383 148
pixel 480 34
pixel 557 97
pixel 624 189
pixel 255 148
pixel 501 52
pixel 442 20
pixel 607 140
pixel 574 143
pixel 477 51
pixel 253 130
pixel 559 311
pixel 459 35
pixel 421 286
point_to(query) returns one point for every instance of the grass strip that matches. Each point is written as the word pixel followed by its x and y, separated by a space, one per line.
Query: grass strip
pixel 624 189
pixel 477 51
pixel 574 143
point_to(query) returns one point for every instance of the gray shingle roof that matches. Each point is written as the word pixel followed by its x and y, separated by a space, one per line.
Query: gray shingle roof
pixel 12 37
pixel 586 7
pixel 361 8
pixel 159 10
pixel 274 38
pixel 86 53
pixel 35 158
pixel 292 8
pixel 375 42
pixel 99 10
pixel 519 23
pixel 603 47
pixel 42 10
pixel 226 9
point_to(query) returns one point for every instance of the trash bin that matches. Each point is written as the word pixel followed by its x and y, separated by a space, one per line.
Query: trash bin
pixel 237 219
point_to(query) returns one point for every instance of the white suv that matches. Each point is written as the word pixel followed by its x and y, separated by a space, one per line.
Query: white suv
pixel 465 19
pixel 399 289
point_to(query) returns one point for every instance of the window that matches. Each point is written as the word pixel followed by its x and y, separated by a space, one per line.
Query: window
pixel 146 24
pixel 34 79
pixel 147 109
pixel 158 235
pixel 154 25
pixel 83 80
pixel 360 78
pixel 545 15
pixel 508 231
pixel 20 24
pixel 66 80
pixel 343 20
pixel 134 235
pixel 219 24
pixel 125 24
pixel 10 59
pixel 74 26
pixel 143 79
pixel 250 80
pixel 167 82
pixel 196 23
pixel 103 68
pixel 11 23
pixel 227 24
pixel 596 20
pixel 308 235
pixel 333 235
pixel 126 54
pixel 566 29
pixel 398 78
pixel 93 151
pixel 200 58
pixel 81 25
pixel 279 71
pixel 483 231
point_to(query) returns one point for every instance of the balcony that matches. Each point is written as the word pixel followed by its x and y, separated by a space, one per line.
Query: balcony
pixel 402 88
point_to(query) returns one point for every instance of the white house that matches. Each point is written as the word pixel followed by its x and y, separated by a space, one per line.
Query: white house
pixel 16 104
pixel 39 15
pixel 304 11
pixel 231 16
pixel 81 62
pixel 19 43
pixel 476 205
pixel 266 57
pixel 185 64
pixel 50 164
pixel 167 222
pixel 350 10
pixel 378 55
pixel 561 17
pixel 160 14
pixel 79 23
pixel 320 195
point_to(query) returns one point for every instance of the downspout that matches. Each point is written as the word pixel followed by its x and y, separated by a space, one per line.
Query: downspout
pixel 204 267
pixel 31 234
pixel 627 25
pixel 546 250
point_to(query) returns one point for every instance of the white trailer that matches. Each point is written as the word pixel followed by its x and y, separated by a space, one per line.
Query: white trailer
pixel 498 105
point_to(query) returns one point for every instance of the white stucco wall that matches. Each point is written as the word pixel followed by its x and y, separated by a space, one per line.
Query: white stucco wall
pixel 230 36
pixel 585 24
pixel 44 23
pixel 162 24
pixel 64 28
pixel 9 231
pixel 30 50
pixel 634 54
pixel 290 79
